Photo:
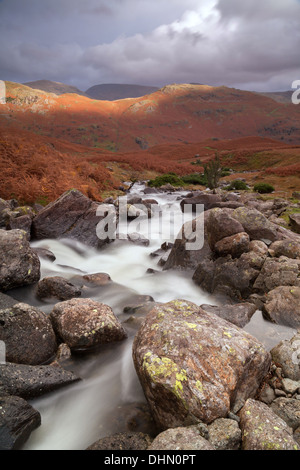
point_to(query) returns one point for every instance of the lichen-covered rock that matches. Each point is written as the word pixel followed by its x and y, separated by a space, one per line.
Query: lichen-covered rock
pixel 17 421
pixel 28 335
pixel 181 438
pixel 277 272
pixel 262 429
pixel 195 366
pixel 288 409
pixel 20 266
pixel 282 306
pixel 287 355
pixel 255 224
pixel 225 434
pixel 289 248
pixel 85 323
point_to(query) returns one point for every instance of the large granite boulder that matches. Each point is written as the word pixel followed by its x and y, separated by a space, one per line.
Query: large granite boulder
pixel 282 306
pixel 194 365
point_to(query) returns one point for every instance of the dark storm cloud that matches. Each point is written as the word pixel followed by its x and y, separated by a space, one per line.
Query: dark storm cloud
pixel 250 44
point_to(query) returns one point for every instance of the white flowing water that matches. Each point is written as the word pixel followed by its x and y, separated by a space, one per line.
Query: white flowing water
pixel 76 416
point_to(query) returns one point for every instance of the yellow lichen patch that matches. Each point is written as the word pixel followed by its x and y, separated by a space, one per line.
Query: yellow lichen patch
pixel 163 367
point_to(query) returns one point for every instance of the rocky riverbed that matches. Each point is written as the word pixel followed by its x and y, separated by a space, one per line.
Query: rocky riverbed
pixel 198 371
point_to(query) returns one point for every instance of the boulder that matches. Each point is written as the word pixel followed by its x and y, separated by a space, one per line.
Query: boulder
pixel 29 382
pixel 262 429
pixel 255 224
pixel 20 266
pixel 238 314
pixel 75 216
pixel 180 256
pixel 17 421
pixel 23 222
pixel 288 248
pixel 84 324
pixel 286 355
pixel 195 366
pixel 220 224
pixel 209 201
pixel 97 279
pixel 28 335
pixel 277 272
pixel 295 222
pixel 282 306
pixel 56 287
pixel 234 245
pixel 181 438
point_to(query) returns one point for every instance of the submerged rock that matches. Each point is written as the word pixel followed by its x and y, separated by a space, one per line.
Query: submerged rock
pixel 195 366
pixel 20 266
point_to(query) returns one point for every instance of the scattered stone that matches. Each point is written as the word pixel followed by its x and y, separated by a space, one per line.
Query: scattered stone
pixel 28 335
pixel 225 434
pixel 290 386
pixel 17 421
pixel 84 324
pixel 288 248
pixel 181 438
pixel 287 409
pixel 295 222
pixel 123 441
pixel 20 266
pixel 283 306
pixel 287 355
pixel 262 429
pixel 277 272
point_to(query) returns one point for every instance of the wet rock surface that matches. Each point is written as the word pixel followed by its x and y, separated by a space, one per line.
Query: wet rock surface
pixel 195 366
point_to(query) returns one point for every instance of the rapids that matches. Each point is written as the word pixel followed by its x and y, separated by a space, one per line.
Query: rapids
pixel 76 416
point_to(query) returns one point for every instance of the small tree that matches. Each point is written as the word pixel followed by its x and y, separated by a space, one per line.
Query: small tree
pixel 213 171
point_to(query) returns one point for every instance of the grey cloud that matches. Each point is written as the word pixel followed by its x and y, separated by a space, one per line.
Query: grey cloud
pixel 249 43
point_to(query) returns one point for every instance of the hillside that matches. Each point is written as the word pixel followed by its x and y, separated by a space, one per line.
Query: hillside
pixel 113 92
pixel 173 114
pixel 50 143
pixel 53 87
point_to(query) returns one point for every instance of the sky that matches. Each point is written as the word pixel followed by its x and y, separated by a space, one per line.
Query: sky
pixel 246 44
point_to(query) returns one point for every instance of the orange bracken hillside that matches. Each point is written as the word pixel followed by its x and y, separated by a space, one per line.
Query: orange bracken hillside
pixel 50 143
